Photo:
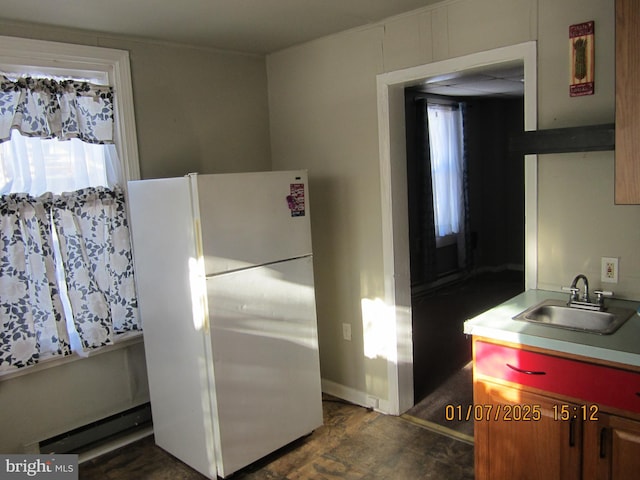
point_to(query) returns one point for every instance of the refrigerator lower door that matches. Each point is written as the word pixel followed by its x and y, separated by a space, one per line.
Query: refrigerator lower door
pixel 265 357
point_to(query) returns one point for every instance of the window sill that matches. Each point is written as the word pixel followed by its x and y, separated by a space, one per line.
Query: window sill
pixel 447 240
pixel 125 340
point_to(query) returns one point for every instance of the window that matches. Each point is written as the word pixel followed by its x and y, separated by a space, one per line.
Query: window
pixel 36 166
pixel 445 143
pixel 97 65
pixel 53 240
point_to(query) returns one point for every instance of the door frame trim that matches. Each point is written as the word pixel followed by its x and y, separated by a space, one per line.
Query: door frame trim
pixel 393 185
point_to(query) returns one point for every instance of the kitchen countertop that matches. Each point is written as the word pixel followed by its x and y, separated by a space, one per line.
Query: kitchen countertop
pixel 622 346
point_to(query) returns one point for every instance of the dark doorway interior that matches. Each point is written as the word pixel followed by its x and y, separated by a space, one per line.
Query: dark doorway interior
pixel 495 251
pixel 440 347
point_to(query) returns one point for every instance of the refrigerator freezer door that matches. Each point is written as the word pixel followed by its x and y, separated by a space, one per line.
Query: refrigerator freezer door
pixel 252 219
pixel 174 337
pixel 266 365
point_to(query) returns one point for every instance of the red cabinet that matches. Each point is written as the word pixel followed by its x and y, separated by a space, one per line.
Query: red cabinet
pixel 597 384
pixel 586 423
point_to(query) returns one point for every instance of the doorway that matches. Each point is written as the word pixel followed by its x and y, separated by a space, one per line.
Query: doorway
pixel 452 281
pixel 394 196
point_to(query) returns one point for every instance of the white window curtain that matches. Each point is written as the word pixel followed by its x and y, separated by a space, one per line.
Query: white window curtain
pixel 66 270
pixel 447 163
pixel 36 166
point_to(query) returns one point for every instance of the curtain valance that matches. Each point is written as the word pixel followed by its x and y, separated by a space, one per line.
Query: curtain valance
pixel 48 108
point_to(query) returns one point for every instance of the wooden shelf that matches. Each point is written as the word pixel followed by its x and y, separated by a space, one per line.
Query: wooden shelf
pixel 591 138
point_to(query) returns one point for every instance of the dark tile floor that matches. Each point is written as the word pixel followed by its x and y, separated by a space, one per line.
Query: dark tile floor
pixel 354 443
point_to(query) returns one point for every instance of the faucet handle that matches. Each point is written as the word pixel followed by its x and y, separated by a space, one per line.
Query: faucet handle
pixel 600 294
pixel 573 290
pixel 604 293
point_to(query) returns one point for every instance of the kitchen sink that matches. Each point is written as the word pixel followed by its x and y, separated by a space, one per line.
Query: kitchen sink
pixel 557 313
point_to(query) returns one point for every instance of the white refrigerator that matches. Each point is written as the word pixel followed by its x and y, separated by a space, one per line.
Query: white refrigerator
pixel 224 277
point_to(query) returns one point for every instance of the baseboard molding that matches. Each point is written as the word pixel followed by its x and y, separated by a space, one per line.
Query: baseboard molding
pixel 517 267
pixel 354 396
pixel 447 280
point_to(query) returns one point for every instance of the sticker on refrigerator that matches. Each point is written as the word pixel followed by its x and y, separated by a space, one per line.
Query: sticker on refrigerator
pixel 296 199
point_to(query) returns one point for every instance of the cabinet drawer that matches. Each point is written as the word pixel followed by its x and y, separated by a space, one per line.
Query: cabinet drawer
pixel 605 386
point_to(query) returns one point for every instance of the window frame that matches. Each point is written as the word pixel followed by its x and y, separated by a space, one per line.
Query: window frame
pixel 453 105
pixel 24 54
pixel 71 60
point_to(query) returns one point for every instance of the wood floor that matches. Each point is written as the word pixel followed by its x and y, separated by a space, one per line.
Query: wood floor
pixel 354 443
pixel 440 347
pixel 435 410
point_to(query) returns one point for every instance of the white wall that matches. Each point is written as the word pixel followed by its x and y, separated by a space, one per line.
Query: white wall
pixel 321 98
pixel 323 112
pixel 52 401
pixel 578 221
pixel 196 110
pixel 322 104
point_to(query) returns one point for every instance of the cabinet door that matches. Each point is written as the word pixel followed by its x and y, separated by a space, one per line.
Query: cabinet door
pixel 510 446
pixel 611 448
pixel 627 180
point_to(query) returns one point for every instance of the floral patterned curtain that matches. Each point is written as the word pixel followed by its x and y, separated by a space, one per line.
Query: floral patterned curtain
pixel 30 307
pixel 96 253
pixel 90 226
pixel 62 109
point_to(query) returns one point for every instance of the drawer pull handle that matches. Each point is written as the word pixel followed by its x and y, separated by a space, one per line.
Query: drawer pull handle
pixel 603 440
pixel 572 432
pixel 526 372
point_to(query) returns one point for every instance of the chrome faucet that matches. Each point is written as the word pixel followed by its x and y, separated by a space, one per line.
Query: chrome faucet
pixel 584 301
pixel 574 289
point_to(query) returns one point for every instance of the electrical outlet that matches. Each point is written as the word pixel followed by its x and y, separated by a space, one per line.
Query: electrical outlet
pixel 346 331
pixel 609 270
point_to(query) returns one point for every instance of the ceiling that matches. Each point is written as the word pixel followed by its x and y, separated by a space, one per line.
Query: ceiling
pixel 505 81
pixel 251 26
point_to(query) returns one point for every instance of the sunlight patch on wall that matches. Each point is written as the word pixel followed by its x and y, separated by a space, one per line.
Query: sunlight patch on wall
pixel 378 327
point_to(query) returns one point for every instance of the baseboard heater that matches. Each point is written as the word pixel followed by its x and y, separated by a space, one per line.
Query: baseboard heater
pixel 101 432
